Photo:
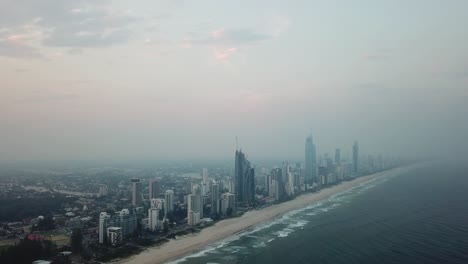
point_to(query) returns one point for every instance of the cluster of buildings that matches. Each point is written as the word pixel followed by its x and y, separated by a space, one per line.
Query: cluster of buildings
pixel 113 229
pixel 218 197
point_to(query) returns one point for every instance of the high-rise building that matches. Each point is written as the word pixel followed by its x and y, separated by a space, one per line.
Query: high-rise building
pixel 310 162
pixel 159 204
pixel 193 218
pixel 154 188
pixel 127 221
pixel 278 186
pixel 205 175
pixel 337 156
pixel 136 192
pixel 104 219
pixel 244 177
pixel 194 208
pixel 115 235
pixel 355 158
pixel 196 189
pixel 154 223
pixel 228 203
pixel 205 185
pixel 169 199
pixel 214 199
pixel 291 184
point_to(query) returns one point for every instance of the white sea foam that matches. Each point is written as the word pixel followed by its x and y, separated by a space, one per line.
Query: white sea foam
pixel 336 200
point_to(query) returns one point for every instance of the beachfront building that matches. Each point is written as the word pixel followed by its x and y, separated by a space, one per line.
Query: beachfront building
pixel 169 202
pixel 277 184
pixel 127 221
pixel 355 158
pixel 194 208
pixel 244 177
pixel 115 235
pixel 154 222
pixel 228 203
pixel 214 198
pixel 290 184
pixel 193 218
pixel 310 162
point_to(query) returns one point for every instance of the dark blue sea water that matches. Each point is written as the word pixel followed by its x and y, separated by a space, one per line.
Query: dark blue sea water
pixel 417 217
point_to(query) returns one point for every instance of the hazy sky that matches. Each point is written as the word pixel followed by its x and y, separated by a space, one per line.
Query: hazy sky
pixel 151 79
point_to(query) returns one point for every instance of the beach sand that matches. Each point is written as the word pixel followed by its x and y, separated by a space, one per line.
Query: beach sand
pixel 178 248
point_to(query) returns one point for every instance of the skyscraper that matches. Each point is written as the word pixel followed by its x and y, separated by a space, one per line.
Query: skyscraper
pixel 214 199
pixel 355 157
pixel 127 221
pixel 153 219
pixel 136 192
pixel 278 185
pixel 205 175
pixel 337 156
pixel 310 162
pixel 157 203
pixel 194 208
pixel 228 205
pixel 169 198
pixel 154 188
pixel 103 225
pixel 205 183
pixel 244 177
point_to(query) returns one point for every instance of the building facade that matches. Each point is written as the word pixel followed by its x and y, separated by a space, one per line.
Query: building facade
pixel 244 177
pixel 136 192
pixel 311 173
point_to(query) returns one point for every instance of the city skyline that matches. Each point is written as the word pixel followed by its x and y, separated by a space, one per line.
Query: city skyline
pixel 121 80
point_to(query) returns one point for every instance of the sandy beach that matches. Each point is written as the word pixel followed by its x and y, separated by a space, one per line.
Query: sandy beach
pixel 178 248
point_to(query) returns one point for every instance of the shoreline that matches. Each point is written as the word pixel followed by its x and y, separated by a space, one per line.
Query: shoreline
pixel 178 248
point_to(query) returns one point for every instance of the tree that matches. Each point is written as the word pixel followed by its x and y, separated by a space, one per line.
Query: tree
pixel 76 240
pixel 45 224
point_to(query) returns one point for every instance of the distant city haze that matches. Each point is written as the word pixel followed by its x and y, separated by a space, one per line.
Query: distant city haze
pixel 164 80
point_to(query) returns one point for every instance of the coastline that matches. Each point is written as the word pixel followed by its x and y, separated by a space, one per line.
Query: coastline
pixel 178 248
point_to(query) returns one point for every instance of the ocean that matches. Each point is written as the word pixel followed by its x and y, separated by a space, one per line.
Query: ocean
pixel 417 217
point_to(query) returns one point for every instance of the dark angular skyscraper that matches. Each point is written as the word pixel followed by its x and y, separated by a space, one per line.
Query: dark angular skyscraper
pixel 244 187
pixel 310 162
pixel 356 157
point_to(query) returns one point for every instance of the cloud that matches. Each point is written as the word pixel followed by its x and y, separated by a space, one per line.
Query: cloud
pixel 223 55
pixel 78 23
pixel 225 42
pixel 17 50
pixel 65 38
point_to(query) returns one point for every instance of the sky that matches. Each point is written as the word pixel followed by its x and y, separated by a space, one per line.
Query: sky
pixel 175 79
